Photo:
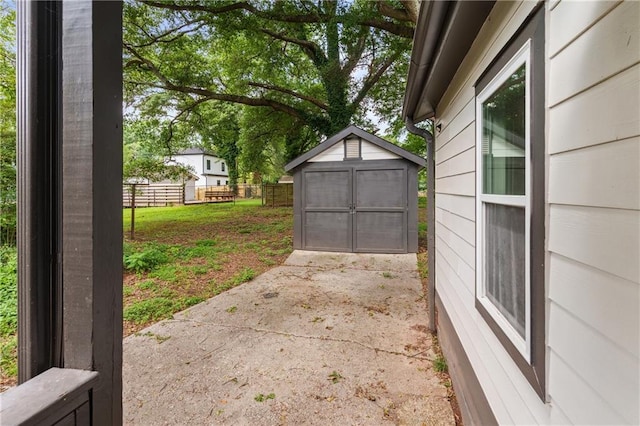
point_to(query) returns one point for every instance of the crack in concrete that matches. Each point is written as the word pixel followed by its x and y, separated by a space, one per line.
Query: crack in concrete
pixel 300 336
pixel 346 266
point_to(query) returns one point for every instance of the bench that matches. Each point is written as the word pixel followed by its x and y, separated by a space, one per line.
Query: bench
pixel 220 196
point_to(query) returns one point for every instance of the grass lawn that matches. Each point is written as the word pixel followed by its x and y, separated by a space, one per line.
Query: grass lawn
pixel 184 255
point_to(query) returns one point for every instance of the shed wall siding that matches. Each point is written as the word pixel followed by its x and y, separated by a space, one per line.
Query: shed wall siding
pixel 594 211
pixel 593 216
pixel 368 151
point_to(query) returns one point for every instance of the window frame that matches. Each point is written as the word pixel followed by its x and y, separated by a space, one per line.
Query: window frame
pixel 208 161
pixel 346 151
pixel 532 31
pixel 522 57
pixel 223 166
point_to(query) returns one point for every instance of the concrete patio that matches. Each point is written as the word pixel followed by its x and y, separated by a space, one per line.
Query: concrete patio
pixel 327 338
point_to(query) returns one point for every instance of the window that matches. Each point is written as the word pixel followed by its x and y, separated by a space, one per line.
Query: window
pixel 352 149
pixel 218 182
pixel 510 199
pixel 503 199
pixel 223 166
pixel 208 164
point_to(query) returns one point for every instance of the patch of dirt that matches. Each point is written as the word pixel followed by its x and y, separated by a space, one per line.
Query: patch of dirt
pixel 7 382
pixel 444 377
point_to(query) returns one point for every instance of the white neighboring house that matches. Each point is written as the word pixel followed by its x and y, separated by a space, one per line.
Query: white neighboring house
pixel 536 111
pixel 210 169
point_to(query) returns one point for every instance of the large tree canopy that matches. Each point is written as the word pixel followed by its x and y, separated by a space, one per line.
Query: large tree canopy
pixel 313 66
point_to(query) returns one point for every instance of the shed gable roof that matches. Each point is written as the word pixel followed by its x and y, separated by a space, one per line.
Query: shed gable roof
pixel 354 130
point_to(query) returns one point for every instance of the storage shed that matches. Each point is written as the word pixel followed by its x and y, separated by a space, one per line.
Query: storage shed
pixel 356 192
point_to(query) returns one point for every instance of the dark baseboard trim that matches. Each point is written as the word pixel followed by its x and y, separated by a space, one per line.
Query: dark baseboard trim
pixel 472 401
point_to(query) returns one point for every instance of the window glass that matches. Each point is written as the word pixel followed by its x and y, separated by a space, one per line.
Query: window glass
pixel 505 267
pixel 503 137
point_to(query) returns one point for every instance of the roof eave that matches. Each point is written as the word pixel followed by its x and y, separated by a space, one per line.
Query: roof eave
pixel 444 34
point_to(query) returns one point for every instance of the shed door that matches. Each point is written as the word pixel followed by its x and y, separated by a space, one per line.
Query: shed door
pixel 327 223
pixel 355 209
pixel 380 204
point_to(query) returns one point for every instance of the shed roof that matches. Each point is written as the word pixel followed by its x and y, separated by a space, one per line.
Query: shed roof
pixel 354 130
pixel 443 36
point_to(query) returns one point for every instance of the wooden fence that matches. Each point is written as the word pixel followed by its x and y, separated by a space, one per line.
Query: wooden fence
pixel 153 195
pixel 243 190
pixel 277 194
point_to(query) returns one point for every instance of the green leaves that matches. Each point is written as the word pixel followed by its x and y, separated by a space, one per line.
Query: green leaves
pixel 301 71
pixel 7 125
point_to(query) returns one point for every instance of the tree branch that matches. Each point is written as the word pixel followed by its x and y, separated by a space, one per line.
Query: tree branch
pixel 413 9
pixel 311 49
pixel 159 38
pixel 355 52
pixel 390 27
pixel 200 8
pixel 309 18
pixel 314 101
pixel 391 12
pixel 373 78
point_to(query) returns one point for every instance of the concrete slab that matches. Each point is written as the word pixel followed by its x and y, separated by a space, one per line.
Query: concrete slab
pixel 327 338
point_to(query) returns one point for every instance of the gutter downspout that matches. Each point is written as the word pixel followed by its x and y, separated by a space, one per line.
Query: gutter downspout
pixel 431 219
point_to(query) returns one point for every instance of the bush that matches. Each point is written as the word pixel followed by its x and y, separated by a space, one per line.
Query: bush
pixel 145 260
pixel 8 291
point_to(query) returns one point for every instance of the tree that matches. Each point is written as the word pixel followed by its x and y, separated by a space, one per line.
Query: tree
pixel 319 64
pixel 7 125
pixel 141 161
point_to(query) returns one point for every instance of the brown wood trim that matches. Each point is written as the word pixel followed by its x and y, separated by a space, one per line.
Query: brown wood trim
pixel 474 406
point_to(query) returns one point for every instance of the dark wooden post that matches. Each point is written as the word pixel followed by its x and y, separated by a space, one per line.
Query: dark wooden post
pixel 39 150
pixel 92 198
pixel 69 206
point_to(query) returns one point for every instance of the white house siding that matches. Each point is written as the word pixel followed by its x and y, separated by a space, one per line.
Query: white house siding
pixel 368 151
pixel 593 218
pixel 594 211
pixel 216 166
pixel 206 177
pixel 194 161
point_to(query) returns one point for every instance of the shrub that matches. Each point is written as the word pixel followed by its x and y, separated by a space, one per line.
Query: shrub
pixel 8 291
pixel 145 260
pixel 9 356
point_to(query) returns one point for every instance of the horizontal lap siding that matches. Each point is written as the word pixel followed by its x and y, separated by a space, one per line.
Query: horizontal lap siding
pixel 594 212
pixel 511 397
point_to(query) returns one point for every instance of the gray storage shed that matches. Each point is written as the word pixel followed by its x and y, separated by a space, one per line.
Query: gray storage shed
pixel 356 192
